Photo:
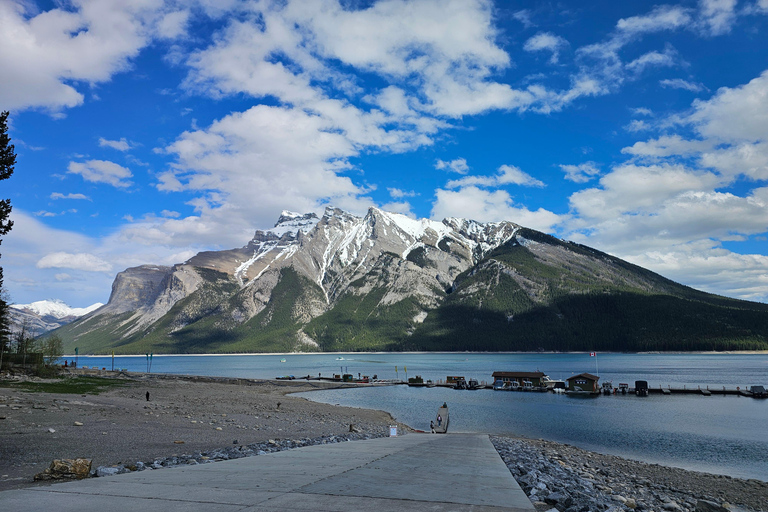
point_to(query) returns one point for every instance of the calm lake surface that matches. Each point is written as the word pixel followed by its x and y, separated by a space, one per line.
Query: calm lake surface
pixel 717 434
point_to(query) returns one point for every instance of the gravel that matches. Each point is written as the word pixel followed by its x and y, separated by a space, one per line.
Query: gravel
pixel 570 479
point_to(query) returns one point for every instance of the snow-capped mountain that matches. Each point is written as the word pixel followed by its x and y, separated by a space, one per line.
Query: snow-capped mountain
pixel 385 281
pixel 45 315
pixel 56 308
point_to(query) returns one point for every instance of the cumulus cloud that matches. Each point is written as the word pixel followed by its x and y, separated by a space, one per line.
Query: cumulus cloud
pixel 458 165
pixel 102 171
pixel 671 209
pixel 78 261
pixel 490 206
pixel 47 55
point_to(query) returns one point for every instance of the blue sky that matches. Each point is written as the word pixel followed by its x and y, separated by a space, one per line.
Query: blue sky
pixel 149 130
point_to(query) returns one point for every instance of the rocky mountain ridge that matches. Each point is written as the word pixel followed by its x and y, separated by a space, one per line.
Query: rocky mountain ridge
pixel 385 281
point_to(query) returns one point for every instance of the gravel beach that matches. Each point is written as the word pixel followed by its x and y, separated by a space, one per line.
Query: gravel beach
pixel 183 416
pixel 197 420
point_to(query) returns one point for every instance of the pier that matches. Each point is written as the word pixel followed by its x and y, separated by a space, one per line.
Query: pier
pixel 452 472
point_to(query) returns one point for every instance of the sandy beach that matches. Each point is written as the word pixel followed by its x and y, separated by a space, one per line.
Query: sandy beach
pixel 193 415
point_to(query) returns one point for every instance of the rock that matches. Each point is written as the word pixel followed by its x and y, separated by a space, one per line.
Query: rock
pixel 709 506
pixel 102 471
pixel 78 424
pixel 630 503
pixel 66 469
pixel 51 430
pixel 178 441
pixel 559 498
pixel 671 506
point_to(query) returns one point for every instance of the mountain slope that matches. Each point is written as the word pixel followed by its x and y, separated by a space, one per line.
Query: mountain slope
pixel 388 282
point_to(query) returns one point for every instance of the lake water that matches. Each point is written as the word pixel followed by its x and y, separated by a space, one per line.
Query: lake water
pixel 717 434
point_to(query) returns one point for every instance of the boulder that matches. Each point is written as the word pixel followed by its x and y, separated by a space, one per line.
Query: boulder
pixel 66 469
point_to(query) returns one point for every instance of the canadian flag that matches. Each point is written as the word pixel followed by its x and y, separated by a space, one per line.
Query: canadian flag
pixel 592 354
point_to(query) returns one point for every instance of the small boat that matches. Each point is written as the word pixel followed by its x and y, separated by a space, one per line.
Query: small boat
pixel 498 385
pixel 608 388
pixel 282 360
pixel 430 384
pixel 340 358
pixel 285 377
pixel 551 384
pixel 473 384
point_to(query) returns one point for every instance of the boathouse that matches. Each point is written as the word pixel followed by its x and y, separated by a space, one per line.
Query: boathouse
pixel 534 377
pixel 583 382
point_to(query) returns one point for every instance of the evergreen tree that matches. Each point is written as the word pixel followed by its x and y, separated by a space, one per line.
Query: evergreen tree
pixel 7 161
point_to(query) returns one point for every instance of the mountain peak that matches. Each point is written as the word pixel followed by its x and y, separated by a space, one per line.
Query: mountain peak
pixel 55 308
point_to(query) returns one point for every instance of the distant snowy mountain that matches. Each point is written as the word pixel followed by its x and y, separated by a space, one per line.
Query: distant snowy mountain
pixel 45 315
pixel 56 308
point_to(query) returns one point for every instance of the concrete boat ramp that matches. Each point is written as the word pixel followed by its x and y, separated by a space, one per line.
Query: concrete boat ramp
pixel 445 472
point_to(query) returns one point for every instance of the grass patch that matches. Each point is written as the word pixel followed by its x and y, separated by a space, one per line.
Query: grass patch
pixel 67 385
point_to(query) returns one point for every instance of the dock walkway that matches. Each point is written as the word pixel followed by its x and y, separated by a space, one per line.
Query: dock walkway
pixel 452 472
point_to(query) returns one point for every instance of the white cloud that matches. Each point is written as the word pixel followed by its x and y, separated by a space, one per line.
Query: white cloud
pixel 638 125
pixel 403 207
pixel 667 145
pixel 642 111
pixel 653 59
pixel 120 145
pixel 58 195
pixel 679 83
pixel 717 16
pixel 507 175
pixel 546 41
pixel 102 171
pixel 78 261
pixel 581 173
pixel 47 55
pixel 734 114
pixel 632 189
pixel 669 208
pixel 173 25
pixel 663 17
pixel 286 157
pixel 458 165
pixel 396 193
pixel 490 206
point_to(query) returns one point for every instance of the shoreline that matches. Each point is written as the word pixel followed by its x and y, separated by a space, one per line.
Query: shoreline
pixel 706 352
pixel 205 418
